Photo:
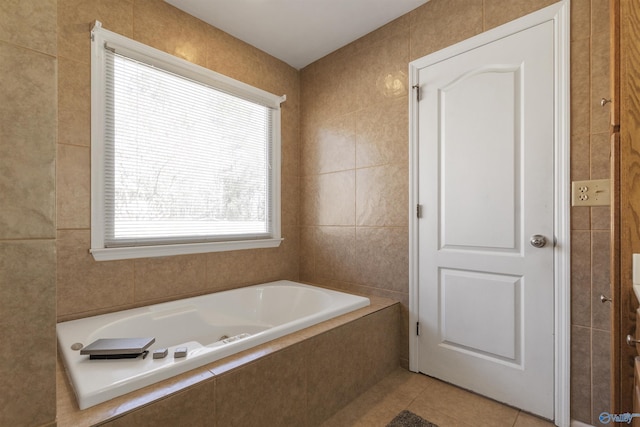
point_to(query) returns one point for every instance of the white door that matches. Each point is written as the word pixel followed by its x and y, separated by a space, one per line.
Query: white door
pixel 486 184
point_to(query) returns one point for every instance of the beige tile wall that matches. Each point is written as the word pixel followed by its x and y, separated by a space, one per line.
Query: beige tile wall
pixel 349 171
pixel 27 211
pixel 590 226
pixel 354 178
pixel 87 287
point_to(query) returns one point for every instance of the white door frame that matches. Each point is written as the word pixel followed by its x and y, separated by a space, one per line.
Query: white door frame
pixel 559 14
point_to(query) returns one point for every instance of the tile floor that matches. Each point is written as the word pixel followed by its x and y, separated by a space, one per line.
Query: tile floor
pixel 434 400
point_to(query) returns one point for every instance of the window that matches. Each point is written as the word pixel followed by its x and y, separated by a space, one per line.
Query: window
pixel 184 160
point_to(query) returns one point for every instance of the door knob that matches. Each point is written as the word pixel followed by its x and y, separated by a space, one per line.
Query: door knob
pixel 631 341
pixel 538 241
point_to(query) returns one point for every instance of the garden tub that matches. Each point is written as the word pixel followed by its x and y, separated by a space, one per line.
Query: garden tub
pixel 210 327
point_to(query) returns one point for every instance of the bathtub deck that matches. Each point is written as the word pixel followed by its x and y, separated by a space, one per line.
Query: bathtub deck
pixel 68 413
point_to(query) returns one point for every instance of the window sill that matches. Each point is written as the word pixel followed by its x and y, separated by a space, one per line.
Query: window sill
pixel 112 254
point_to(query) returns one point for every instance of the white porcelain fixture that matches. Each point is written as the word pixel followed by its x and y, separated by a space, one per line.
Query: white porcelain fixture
pixel 211 326
pixel 636 275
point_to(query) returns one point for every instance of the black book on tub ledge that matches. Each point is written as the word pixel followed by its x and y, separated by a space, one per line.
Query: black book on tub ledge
pixel 117 348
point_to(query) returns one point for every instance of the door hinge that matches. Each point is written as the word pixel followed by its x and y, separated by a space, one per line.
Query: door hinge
pixel 418 328
pixel 419 211
pixel 417 89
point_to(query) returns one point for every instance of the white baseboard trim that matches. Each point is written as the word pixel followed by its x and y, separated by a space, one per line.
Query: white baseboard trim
pixel 575 423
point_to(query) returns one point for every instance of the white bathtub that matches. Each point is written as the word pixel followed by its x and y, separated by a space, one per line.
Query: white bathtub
pixel 264 311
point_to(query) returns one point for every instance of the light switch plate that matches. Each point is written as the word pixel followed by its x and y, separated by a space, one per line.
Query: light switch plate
pixel 595 192
pixel 636 269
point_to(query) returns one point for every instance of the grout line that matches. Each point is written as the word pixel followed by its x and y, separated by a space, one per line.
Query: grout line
pixel 88 147
pixel 30 49
pixel 516 420
pixel 484 16
pixel 23 239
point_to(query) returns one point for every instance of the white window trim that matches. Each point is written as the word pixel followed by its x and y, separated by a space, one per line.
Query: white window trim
pixel 163 60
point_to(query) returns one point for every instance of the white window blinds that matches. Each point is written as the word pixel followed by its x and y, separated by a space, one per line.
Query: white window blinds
pixel 184 162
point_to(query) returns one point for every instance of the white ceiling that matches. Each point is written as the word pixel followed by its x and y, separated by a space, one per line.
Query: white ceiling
pixel 297 31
